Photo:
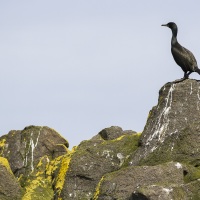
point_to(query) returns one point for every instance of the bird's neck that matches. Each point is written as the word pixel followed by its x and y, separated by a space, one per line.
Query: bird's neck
pixel 174 40
pixel 174 37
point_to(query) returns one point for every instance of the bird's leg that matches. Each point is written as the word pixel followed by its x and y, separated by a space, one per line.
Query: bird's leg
pixel 186 75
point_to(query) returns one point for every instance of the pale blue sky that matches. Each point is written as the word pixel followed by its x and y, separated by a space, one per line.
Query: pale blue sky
pixel 81 66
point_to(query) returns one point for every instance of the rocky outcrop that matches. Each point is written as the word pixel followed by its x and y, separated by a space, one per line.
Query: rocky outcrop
pixel 161 163
pixel 172 128
pixel 96 157
pixel 29 153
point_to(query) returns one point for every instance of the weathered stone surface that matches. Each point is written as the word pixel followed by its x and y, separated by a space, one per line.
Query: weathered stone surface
pixel 91 160
pixel 182 147
pixel 9 186
pixel 127 182
pixel 29 153
pixel 25 148
pixel 178 111
pixel 113 132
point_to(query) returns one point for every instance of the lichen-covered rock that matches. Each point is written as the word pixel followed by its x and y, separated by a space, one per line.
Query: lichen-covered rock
pixel 30 153
pixel 170 124
pixel 161 163
pixel 9 186
pixel 25 148
pixel 94 158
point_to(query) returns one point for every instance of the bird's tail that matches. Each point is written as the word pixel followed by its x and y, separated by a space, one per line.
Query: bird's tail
pixel 198 71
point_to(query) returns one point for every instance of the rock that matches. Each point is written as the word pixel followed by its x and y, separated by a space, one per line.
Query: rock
pixel 181 147
pixel 9 186
pixel 94 158
pixel 29 153
pixel 161 163
pixel 172 126
pixel 111 133
pixel 25 148
pixel 127 182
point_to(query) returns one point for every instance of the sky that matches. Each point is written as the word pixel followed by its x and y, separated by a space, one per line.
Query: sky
pixel 81 66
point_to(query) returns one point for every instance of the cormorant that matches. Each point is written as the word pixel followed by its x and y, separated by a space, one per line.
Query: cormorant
pixel 182 56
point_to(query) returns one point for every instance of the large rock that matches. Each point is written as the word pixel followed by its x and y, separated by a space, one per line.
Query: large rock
pixel 128 183
pixel 94 158
pixel 25 148
pixel 172 128
pixel 30 153
pixel 162 163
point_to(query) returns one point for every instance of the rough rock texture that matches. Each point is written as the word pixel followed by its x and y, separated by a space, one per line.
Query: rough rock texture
pixel 9 186
pixel 162 163
pixel 24 151
pixel 172 128
pixel 94 158
pixel 129 182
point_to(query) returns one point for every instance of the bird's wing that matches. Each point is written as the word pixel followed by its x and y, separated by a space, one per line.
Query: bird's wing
pixel 184 58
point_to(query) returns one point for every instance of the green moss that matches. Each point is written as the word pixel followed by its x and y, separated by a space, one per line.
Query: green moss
pixel 182 147
pixel 191 174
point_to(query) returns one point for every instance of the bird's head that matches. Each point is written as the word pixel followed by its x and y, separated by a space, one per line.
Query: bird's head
pixel 172 26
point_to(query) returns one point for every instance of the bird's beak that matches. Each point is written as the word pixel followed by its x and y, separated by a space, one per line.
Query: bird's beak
pixel 164 25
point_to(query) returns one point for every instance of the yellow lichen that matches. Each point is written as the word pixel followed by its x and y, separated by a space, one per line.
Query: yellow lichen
pixel 52 166
pixel 38 186
pixel 4 162
pixel 63 170
pixel 97 190
pixel 2 145
pixel 2 142
pixel 119 138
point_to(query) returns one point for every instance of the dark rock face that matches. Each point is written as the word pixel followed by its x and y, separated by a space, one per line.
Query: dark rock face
pixel 9 186
pixel 113 132
pixel 174 120
pixel 166 164
pixel 130 181
pixel 96 157
pixel 161 163
pixel 25 148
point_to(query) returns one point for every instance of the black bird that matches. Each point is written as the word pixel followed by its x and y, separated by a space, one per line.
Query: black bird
pixel 182 56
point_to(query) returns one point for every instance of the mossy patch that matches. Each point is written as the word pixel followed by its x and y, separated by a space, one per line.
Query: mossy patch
pixel 191 173
pixel 182 147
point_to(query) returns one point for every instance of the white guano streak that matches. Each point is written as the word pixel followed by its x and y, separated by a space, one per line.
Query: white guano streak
pixel 159 127
pixel 198 95
pixel 32 145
